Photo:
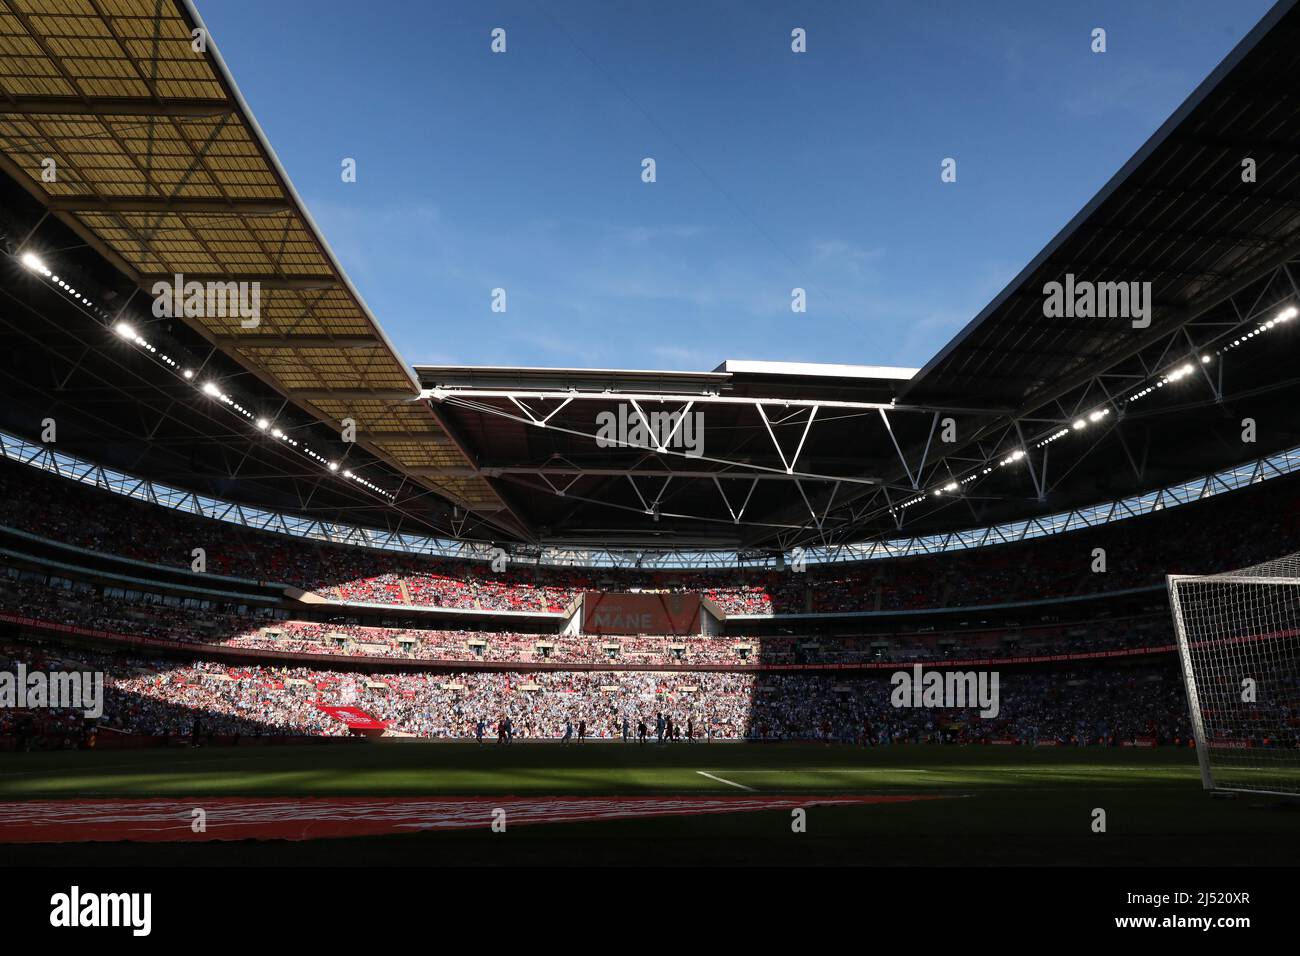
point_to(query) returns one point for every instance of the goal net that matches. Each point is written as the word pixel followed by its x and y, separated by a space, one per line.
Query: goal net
pixel 1239 644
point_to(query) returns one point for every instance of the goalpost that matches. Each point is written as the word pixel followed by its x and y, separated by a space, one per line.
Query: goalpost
pixel 1239 645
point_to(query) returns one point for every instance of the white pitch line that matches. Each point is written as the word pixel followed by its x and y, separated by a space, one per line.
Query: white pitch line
pixel 730 783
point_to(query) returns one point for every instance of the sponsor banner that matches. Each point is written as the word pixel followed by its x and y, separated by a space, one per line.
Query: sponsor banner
pixel 1139 742
pixel 354 718
pixel 624 613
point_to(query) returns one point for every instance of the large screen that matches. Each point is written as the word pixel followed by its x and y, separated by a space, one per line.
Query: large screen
pixel 623 613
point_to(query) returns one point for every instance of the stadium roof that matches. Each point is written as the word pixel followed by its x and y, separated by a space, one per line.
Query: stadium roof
pixel 1177 215
pixel 163 170
pixel 816 370
pixel 802 454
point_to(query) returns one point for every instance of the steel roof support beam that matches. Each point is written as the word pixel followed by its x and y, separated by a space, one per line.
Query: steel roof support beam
pixel 901 457
pixel 493 471
pixel 427 437
pixel 462 402
pixel 352 394
pixel 112 106
pixel 788 463
pixel 271 281
pixel 169 204
pixel 453 393
pixel 735 515
pixel 1029 460
pixel 254 341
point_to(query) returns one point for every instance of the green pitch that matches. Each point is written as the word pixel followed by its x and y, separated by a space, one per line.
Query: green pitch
pixel 1000 805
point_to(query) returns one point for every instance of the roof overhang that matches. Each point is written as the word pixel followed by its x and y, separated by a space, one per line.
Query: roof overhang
pixel 162 170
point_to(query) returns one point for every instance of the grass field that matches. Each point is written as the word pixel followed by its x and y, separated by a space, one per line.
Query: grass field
pixel 997 805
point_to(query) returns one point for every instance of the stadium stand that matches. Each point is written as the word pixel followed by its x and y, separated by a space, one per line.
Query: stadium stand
pixel 159 697
pixel 280 635
pixel 1223 532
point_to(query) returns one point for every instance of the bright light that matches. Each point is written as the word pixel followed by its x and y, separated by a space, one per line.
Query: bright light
pixel 951 486
pixel 34 263
pixel 1205 360
pixel 1097 416
pixel 210 388
pixel 188 373
pixel 1290 312
pixel 124 329
pixel 334 466
pixel 1080 424
pixel 277 433
pixel 347 474
pixel 263 424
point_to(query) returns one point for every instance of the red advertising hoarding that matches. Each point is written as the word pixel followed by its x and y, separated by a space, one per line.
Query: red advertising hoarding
pixel 641 613
pixel 358 721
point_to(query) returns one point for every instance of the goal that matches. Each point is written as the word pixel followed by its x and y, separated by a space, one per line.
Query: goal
pixel 1239 644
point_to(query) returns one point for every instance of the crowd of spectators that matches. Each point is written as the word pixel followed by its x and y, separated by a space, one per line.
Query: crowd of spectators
pixel 87 607
pixel 1092 705
pixel 1224 532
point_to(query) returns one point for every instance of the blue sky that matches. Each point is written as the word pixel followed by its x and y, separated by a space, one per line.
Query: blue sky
pixel 775 170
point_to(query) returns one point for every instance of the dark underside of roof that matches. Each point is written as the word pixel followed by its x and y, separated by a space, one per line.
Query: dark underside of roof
pixel 113 405
pixel 1178 215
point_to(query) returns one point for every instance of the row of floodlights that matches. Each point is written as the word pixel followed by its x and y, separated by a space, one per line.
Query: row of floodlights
pixel 955 484
pixel 1175 374
pixel 1286 315
pixel 127 331
pixel 1093 417
pixel 1168 378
